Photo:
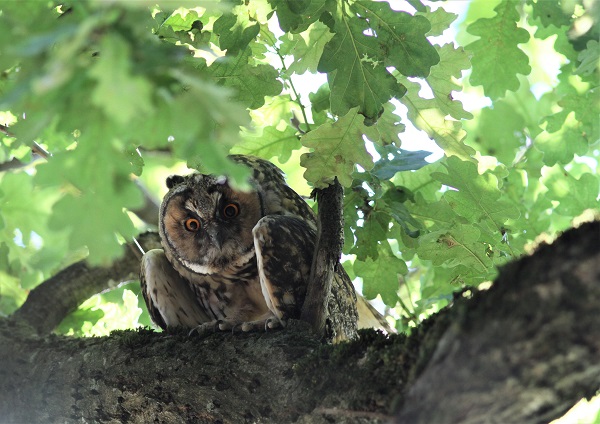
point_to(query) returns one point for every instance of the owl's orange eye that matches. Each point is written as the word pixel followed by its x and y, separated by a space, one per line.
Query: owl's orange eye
pixel 192 224
pixel 231 210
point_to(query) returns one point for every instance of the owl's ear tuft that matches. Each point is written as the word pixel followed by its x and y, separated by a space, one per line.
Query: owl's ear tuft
pixel 173 180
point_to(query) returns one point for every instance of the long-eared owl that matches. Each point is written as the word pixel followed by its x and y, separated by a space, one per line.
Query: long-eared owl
pixel 238 259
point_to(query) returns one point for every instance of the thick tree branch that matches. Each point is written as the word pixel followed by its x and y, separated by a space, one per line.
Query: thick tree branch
pixel 524 351
pixel 50 302
pixel 328 249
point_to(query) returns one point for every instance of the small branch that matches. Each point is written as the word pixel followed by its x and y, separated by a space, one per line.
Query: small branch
pixel 4 129
pixel 328 249
pixel 302 108
pixel 149 210
pixel 14 163
pixel 50 302
pixel 40 151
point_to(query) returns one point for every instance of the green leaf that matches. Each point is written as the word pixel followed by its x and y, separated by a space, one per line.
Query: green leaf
pixel 355 70
pixel 75 322
pixel 24 208
pixel 589 58
pixel 205 125
pixel 403 35
pixel 401 160
pixel 392 202
pixel 386 129
pixel 456 246
pixel 574 195
pixel 92 209
pixel 434 215
pixel 381 277
pixel 269 142
pixel 119 94
pixel 549 13
pixel 181 19
pixel 12 295
pixel 235 31
pixel 452 63
pixel 496 57
pixel 425 115
pixel 297 15
pixel 500 132
pixel 251 83
pixel 371 235
pixel 478 197
pixel 561 143
pixel 306 47
pixel 336 148
pixel 430 115
pixel 440 20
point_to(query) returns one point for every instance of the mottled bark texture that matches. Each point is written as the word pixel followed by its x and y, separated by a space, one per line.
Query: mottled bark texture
pixel 328 250
pixel 522 352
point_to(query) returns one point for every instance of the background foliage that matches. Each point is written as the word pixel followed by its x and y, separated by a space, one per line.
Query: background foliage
pixel 120 93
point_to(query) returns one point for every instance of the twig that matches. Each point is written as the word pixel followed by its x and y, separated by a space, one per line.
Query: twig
pixel 5 131
pixel 149 210
pixel 291 84
pixel 14 163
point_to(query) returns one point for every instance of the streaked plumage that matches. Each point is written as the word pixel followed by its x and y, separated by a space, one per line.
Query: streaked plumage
pixel 237 259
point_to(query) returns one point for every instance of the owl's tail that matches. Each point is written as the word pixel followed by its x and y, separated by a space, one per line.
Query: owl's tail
pixel 369 317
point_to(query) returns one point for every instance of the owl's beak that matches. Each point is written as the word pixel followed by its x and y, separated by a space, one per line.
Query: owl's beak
pixel 215 236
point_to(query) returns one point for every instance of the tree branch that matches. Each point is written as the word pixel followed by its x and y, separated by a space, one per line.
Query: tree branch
pixel 328 249
pixel 50 302
pixel 149 210
pixel 526 350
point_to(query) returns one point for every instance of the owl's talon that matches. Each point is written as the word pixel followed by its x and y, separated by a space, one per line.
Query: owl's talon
pixel 273 323
pixel 237 326
pixel 205 328
pixel 223 325
pixel 248 326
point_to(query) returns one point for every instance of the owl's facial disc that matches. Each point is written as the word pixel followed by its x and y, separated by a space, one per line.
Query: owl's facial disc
pixel 207 226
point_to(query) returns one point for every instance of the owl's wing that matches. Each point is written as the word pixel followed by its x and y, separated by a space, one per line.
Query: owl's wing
pixel 169 297
pixel 284 248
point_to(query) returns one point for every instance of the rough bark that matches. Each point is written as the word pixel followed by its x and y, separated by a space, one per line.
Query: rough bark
pixel 328 250
pixel 523 351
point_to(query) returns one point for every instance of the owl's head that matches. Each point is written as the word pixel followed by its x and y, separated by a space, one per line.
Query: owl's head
pixel 205 225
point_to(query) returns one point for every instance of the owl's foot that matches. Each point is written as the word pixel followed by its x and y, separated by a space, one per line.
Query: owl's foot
pixel 266 324
pixel 212 327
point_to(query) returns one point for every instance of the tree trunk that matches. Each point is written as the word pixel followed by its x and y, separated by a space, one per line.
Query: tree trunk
pixel 524 351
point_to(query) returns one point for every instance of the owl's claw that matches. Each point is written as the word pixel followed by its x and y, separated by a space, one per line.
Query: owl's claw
pixel 266 324
pixel 237 326
pixel 206 328
pixel 272 323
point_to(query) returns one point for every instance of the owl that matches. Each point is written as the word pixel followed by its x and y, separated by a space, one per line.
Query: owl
pixel 239 260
